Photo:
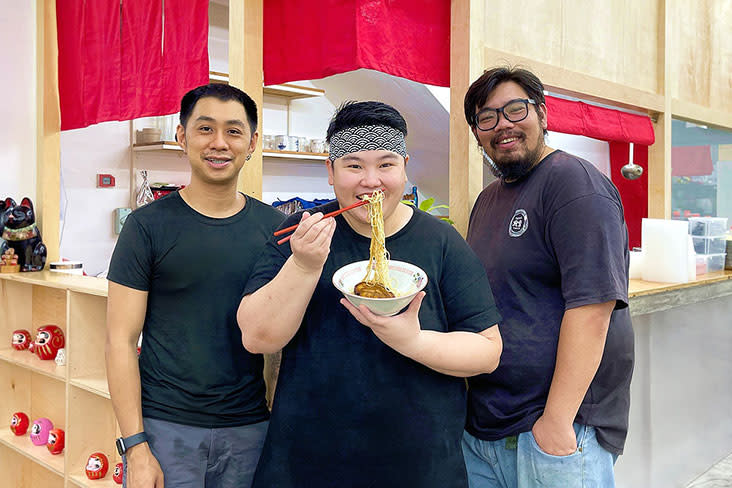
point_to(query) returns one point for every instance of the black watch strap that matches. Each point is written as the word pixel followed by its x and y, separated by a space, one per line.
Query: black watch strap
pixel 125 443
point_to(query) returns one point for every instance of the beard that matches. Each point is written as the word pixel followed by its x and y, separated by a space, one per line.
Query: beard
pixel 513 167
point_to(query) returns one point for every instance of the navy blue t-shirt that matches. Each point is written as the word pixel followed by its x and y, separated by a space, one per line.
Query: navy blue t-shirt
pixel 348 409
pixel 551 241
pixel 193 367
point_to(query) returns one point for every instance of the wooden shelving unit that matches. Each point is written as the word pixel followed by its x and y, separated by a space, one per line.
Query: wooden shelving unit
pixel 269 153
pixel 166 168
pixel 74 397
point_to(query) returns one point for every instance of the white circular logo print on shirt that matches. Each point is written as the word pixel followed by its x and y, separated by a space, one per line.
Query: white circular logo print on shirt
pixel 519 223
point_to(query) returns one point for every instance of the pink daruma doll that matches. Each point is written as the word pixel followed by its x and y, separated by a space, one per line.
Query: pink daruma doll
pixel 40 430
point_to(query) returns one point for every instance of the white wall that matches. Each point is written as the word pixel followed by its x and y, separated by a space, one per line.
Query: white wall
pixel 87 229
pixel 18 108
pixel 593 150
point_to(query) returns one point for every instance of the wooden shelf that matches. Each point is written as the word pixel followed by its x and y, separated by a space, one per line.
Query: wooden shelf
pixel 65 281
pixel 269 153
pixel 286 90
pixel 157 146
pixel 30 361
pixel 95 385
pixel 39 454
pixel 84 482
pixel 319 157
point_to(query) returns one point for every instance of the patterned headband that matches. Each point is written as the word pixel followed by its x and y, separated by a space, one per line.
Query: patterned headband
pixel 367 138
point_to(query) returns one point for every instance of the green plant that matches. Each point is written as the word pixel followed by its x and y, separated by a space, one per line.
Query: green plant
pixel 428 206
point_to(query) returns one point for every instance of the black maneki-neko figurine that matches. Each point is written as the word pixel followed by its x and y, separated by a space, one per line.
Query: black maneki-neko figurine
pixel 21 236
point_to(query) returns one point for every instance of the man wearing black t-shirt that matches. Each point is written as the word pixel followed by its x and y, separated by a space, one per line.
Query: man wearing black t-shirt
pixel 192 410
pixel 552 238
pixel 364 401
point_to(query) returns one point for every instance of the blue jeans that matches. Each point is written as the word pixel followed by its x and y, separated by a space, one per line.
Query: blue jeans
pixel 196 457
pixel 520 463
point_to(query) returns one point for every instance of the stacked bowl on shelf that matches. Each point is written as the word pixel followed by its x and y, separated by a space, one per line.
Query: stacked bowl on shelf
pixel 710 241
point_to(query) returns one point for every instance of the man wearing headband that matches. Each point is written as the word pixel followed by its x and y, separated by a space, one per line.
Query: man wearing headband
pixel 367 401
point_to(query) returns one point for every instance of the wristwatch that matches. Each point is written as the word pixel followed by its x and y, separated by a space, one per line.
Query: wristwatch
pixel 125 443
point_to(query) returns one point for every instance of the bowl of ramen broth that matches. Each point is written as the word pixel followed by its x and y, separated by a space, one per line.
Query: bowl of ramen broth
pixel 407 280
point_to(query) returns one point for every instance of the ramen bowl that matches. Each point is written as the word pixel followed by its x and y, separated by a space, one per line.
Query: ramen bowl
pixel 407 280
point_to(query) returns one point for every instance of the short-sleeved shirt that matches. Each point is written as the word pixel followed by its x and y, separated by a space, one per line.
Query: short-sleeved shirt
pixel 551 241
pixel 193 367
pixel 351 411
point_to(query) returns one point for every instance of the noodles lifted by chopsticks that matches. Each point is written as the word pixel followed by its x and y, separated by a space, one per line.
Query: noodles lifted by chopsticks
pixel 376 283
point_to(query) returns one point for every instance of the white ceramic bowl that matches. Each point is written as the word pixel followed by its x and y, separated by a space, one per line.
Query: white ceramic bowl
pixel 407 279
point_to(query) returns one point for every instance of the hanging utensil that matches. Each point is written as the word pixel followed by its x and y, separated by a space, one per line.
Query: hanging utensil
pixel 631 171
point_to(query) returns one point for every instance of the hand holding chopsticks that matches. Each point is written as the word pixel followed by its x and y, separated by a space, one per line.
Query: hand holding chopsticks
pixel 329 214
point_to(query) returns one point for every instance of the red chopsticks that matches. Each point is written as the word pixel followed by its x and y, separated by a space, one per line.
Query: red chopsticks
pixel 329 214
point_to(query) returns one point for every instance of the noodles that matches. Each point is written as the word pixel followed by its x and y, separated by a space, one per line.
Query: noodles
pixel 376 283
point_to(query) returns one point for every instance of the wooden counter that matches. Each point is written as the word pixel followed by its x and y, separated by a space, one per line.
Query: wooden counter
pixel 640 287
pixel 647 296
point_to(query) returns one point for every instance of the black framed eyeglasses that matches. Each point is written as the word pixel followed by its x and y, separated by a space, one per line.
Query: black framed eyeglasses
pixel 514 111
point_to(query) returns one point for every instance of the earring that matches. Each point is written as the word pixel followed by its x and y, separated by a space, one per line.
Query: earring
pixel 249 156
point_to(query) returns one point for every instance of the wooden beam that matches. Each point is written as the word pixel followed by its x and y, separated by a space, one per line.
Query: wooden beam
pixel 659 154
pixel 466 64
pixel 700 114
pixel 48 129
pixel 246 72
pixel 659 170
pixel 573 83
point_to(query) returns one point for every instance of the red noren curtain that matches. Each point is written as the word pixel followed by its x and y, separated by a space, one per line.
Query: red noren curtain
pixel 119 61
pixel 312 39
pixel 634 193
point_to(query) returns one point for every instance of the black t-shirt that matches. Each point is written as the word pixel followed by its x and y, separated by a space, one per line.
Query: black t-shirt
pixel 552 241
pixel 193 367
pixel 349 410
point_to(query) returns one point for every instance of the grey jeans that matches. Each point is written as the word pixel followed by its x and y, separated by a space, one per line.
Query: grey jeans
pixel 199 457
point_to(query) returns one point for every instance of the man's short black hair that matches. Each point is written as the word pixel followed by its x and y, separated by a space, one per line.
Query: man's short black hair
pixel 219 91
pixel 352 114
pixel 482 88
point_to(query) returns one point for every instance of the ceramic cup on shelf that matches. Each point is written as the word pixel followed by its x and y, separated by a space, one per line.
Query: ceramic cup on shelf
pixel 280 142
pixel 302 144
pixel 317 145
pixel 293 143
pixel 268 142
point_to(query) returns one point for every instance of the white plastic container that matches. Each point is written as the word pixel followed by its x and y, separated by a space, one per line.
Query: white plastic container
pixel 709 245
pixel 635 271
pixel 707 226
pixel 665 245
pixel 714 262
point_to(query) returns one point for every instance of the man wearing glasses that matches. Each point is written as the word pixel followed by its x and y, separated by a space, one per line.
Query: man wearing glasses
pixel 552 238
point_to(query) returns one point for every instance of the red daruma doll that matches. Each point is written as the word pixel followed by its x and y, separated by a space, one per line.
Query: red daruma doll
pixel 49 340
pixel 19 423
pixel 97 466
pixel 21 339
pixel 56 440
pixel 118 473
